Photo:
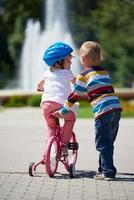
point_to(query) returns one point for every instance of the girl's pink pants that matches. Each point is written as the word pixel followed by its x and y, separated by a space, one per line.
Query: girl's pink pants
pixel 49 107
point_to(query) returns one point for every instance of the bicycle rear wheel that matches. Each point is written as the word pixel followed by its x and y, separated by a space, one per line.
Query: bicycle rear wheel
pixel 72 152
pixel 51 156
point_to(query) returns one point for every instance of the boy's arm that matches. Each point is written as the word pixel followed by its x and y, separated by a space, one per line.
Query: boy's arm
pixel 73 80
pixel 40 86
pixel 78 91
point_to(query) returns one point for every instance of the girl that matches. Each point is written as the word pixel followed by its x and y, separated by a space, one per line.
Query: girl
pixel 56 87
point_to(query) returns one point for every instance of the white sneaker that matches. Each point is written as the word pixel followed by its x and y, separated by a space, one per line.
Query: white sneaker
pixel 103 177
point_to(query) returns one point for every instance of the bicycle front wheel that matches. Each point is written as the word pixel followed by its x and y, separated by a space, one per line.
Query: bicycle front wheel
pixel 51 156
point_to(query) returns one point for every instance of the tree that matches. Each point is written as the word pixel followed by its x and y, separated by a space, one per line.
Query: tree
pixel 114 25
pixel 109 22
pixel 13 18
pixel 80 20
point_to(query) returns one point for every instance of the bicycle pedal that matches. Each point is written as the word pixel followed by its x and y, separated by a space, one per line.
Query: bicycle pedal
pixel 73 145
pixel 64 154
pixel 64 151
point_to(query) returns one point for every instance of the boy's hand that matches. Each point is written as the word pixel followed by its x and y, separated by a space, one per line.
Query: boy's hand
pixel 57 114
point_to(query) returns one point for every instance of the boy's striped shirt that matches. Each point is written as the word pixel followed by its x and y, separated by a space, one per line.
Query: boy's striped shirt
pixel 95 82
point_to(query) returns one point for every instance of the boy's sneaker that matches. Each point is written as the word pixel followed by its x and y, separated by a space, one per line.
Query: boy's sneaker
pixel 103 177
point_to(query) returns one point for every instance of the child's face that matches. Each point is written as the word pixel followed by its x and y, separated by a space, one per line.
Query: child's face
pixel 82 56
pixel 84 59
pixel 67 62
pixel 81 59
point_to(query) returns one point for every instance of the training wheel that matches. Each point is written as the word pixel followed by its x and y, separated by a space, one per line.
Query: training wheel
pixel 31 169
pixel 72 170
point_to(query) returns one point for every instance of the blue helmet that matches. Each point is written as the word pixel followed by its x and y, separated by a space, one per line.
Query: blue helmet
pixel 56 52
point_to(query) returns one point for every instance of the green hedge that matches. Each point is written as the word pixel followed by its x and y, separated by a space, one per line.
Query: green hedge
pixel 34 100
pixel 15 101
pixel 85 110
pixel 20 101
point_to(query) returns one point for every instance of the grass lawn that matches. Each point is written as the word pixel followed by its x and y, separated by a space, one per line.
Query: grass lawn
pixel 85 110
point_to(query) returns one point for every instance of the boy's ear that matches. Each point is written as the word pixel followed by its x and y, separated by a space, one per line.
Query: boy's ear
pixel 84 57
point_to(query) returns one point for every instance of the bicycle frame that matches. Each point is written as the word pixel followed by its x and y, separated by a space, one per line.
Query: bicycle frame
pixel 60 155
pixel 61 145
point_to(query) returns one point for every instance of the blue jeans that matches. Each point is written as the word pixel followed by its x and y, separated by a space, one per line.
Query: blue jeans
pixel 106 128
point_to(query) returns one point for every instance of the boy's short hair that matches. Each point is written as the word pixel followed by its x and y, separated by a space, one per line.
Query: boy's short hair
pixel 92 50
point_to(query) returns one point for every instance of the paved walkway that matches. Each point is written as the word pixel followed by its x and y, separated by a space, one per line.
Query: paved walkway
pixel 22 135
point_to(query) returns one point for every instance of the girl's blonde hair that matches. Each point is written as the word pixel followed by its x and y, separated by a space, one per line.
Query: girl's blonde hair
pixel 92 50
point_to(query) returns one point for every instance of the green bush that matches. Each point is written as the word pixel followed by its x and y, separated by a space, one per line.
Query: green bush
pixel 15 101
pixel 128 108
pixel 34 100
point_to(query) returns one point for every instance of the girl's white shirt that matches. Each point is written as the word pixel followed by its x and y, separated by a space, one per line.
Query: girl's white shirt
pixel 57 85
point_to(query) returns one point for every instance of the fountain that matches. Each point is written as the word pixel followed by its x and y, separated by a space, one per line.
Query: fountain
pixel 36 41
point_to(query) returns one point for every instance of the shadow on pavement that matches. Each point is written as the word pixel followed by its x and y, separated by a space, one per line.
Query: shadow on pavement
pixel 122 177
pixel 125 177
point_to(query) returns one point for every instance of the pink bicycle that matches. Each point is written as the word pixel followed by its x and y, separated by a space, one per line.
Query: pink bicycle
pixel 57 151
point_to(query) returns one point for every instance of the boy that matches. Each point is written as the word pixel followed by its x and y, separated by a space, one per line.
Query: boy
pixel 96 83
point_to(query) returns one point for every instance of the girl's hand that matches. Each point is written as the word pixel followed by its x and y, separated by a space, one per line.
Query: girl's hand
pixel 40 86
pixel 40 90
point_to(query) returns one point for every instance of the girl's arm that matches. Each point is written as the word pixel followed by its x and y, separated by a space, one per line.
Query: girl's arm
pixel 40 86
